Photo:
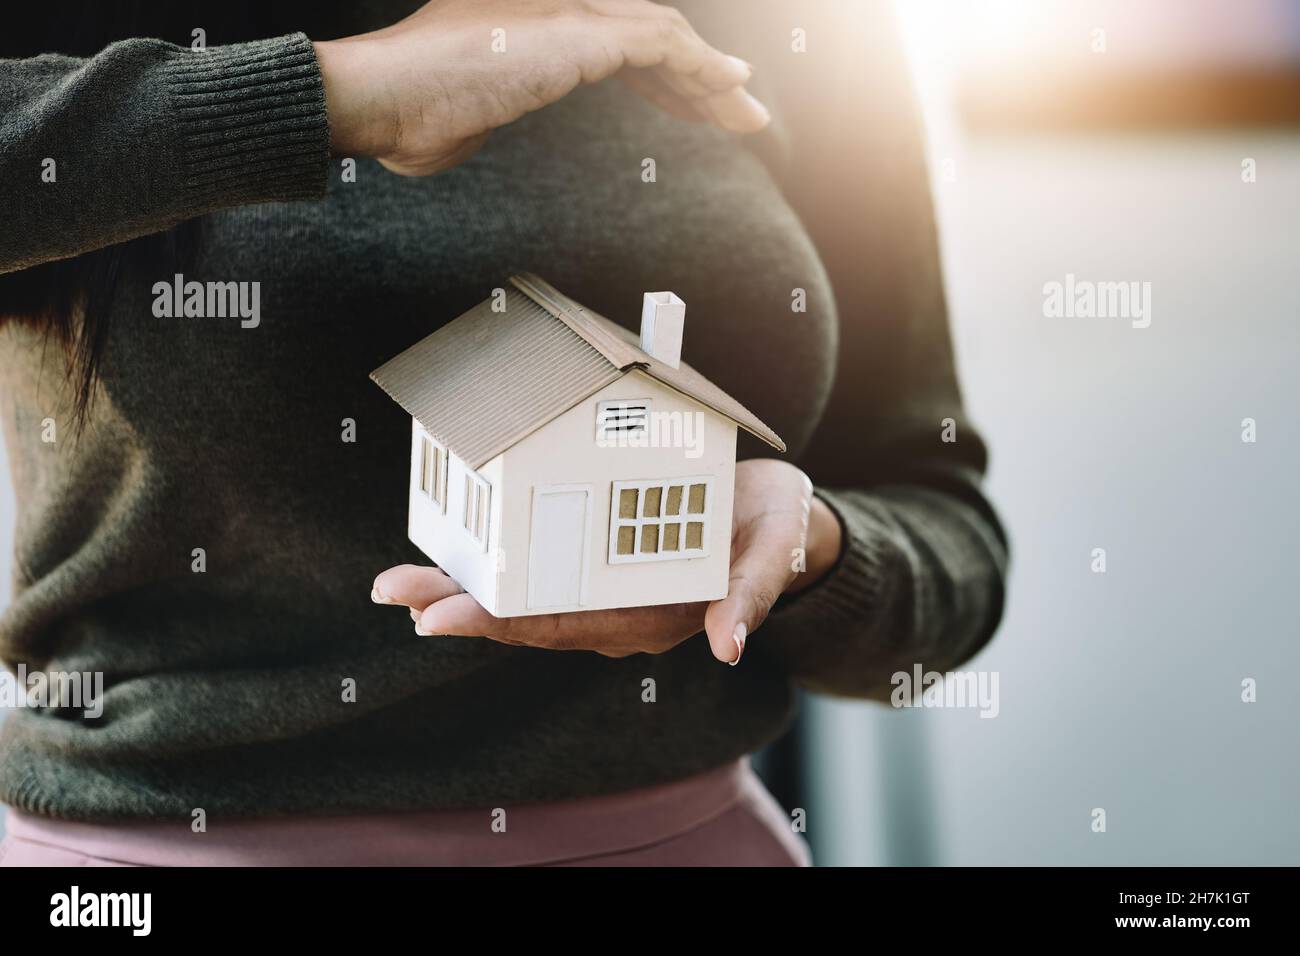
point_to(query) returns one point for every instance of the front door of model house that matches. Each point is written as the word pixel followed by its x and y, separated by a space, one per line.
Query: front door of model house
pixel 558 545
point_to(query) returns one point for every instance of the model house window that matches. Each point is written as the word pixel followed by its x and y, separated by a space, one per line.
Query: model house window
pixel 477 502
pixel 660 520
pixel 433 471
pixel 619 421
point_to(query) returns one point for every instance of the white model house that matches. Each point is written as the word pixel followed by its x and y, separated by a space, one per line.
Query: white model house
pixel 558 464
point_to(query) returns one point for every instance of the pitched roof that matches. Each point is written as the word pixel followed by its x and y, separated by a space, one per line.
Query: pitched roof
pixel 487 379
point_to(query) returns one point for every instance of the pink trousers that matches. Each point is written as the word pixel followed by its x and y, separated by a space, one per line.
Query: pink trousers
pixel 721 818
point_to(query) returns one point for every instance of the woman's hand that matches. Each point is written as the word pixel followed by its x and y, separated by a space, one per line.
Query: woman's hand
pixel 422 95
pixel 778 527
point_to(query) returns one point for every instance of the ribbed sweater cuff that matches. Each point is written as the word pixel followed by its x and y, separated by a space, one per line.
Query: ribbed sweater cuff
pixel 857 588
pixel 251 121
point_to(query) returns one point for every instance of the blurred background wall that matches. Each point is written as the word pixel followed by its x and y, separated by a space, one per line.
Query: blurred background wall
pixel 1121 690
pixel 7 516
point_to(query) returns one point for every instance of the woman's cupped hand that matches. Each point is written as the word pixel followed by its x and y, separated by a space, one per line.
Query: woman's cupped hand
pixel 783 539
pixel 423 94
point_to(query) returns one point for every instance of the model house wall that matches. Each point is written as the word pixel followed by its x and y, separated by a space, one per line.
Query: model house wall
pixel 438 529
pixel 563 460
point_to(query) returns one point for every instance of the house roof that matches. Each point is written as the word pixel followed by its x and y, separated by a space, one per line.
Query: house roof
pixel 486 380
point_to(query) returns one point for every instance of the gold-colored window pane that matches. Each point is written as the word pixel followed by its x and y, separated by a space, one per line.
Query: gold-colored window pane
pixel 424 465
pixel 626 539
pixel 695 535
pixel 435 475
pixel 672 536
pixel 652 496
pixel 627 503
pixel 469 501
pixel 695 504
pixel 674 504
pixel 649 538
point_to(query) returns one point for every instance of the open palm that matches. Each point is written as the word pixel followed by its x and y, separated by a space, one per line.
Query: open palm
pixel 770 545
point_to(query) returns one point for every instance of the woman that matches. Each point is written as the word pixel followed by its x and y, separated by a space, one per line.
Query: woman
pixel 204 502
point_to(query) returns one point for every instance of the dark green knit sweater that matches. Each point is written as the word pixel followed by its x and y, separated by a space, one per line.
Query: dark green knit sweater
pixel 225 686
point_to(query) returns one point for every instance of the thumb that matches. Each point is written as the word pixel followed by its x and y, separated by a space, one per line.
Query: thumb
pixel 756 583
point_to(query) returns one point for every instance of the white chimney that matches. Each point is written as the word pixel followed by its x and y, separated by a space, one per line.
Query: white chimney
pixel 663 317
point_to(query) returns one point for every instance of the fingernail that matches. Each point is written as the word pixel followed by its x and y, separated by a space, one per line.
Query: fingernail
pixel 379 598
pixel 758 107
pixel 421 631
pixel 739 636
pixel 744 65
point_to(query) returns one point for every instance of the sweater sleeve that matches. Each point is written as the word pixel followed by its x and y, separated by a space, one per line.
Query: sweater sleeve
pixel 146 134
pixel 921 576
